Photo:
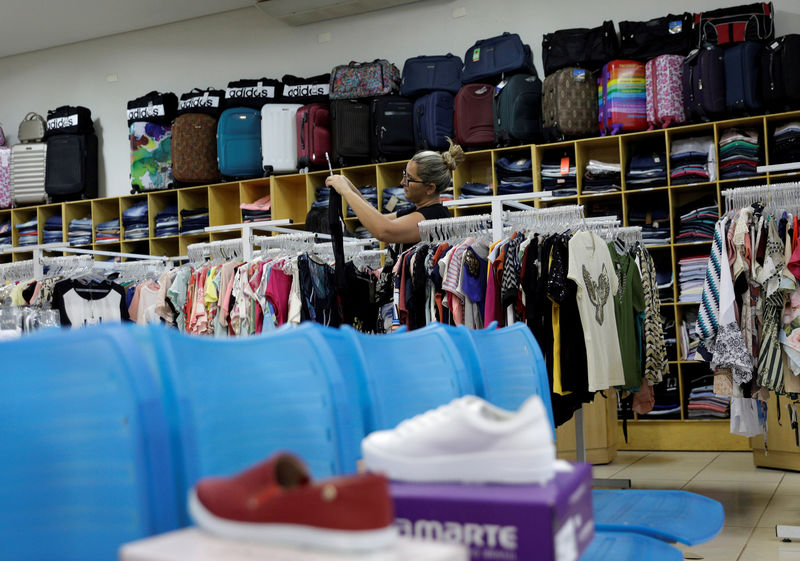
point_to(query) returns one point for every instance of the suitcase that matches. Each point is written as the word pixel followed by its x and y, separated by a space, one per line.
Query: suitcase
pixel 704 84
pixel 779 78
pixel 5 177
pixel 279 137
pixel 664 77
pixel 433 120
pixel 518 111
pixel 239 143
pixel 151 157
pixel 742 86
pixel 392 126
pixel 490 58
pixel 569 104
pixel 350 132
pixel 424 74
pixel 621 97
pixel 473 123
pixel 28 162
pixel 313 135
pixel 71 170
pixel 194 148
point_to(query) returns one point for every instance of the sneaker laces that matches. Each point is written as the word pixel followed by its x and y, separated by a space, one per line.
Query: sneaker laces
pixel 433 417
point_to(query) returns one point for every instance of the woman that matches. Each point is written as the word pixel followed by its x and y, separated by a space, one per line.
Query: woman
pixel 427 175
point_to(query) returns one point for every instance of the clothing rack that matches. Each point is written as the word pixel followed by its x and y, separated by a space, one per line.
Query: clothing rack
pixel 497 202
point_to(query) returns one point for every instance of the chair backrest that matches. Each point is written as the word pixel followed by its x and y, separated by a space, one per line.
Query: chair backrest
pixel 408 374
pixel 86 464
pixel 232 403
pixel 512 366
pixel 470 379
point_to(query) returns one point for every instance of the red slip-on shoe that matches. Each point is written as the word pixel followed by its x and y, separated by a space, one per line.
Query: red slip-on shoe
pixel 276 502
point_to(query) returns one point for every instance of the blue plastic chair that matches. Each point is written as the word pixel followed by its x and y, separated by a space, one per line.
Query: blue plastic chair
pixel 512 366
pixel 85 446
pixel 232 403
pixel 671 516
pixel 472 381
pixel 408 374
pixel 624 546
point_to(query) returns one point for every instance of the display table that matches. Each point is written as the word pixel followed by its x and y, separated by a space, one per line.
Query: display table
pixel 191 544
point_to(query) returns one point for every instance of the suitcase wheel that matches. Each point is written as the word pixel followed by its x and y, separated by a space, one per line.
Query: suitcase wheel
pixel 268 170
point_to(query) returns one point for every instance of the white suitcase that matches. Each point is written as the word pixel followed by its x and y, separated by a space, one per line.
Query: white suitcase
pixel 28 163
pixel 279 137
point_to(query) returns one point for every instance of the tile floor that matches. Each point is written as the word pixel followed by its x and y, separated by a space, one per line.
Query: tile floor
pixel 755 499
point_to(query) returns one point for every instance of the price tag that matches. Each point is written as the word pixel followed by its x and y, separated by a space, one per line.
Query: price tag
pixel 476 54
pixel 391 204
pixel 564 166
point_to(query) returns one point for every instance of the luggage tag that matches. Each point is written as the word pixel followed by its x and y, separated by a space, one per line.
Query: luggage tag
pixel 500 86
pixel 693 54
pixel 579 75
pixel 675 27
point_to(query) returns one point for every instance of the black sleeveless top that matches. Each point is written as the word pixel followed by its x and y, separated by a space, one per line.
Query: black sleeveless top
pixel 430 212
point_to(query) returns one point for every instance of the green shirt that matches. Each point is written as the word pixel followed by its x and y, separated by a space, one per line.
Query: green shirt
pixel 628 303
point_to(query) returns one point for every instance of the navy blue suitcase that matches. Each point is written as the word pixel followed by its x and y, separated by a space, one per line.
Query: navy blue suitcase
pixel 490 58
pixel 704 84
pixel 433 120
pixel 425 74
pixel 239 143
pixel 742 85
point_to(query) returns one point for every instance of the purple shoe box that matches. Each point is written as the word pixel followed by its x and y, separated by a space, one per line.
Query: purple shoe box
pixel 552 522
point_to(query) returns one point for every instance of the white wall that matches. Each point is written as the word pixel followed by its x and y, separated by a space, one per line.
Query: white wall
pixel 213 50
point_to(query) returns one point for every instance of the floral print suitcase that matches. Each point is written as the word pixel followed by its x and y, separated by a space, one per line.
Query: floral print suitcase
pixel 664 78
pixel 5 177
pixel 151 156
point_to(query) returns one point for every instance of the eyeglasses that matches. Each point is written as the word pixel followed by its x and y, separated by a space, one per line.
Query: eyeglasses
pixel 408 179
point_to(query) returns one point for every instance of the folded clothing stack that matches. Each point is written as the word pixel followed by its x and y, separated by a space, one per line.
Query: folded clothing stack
pixel 475 190
pixel 738 153
pixel 135 221
pixel 394 200
pixel 559 174
pixel 108 231
pixel 167 222
pixel 689 338
pixel 53 230
pixel 80 231
pixel 370 193
pixel 5 234
pixel 514 176
pixel 693 160
pixel 704 403
pixel 28 232
pixel 692 274
pixel 194 220
pixel 601 177
pixel 257 210
pixel 654 225
pixel 667 399
pixel 697 225
pixel 647 169
pixel 323 195
pixel 786 147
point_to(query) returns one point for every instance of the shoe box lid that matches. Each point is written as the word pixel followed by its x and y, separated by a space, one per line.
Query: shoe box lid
pixel 552 522
pixel 192 544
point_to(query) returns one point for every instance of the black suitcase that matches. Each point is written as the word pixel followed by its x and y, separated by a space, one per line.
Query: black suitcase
pixel 71 167
pixel 704 84
pixel 392 128
pixel 742 86
pixel 518 111
pixel 350 132
pixel 780 80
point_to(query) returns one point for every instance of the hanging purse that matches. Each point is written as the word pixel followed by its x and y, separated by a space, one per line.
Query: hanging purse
pixel 32 128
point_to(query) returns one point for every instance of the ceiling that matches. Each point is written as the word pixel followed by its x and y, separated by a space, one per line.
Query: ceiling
pixel 30 25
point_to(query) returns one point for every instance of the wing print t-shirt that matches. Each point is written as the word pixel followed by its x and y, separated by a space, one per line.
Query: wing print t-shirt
pixel 591 268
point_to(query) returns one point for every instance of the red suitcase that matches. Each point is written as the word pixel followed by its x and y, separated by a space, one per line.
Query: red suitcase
pixel 313 135
pixel 472 120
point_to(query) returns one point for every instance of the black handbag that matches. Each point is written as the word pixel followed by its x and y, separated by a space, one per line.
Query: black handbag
pixel 252 93
pixel 584 48
pixel 304 91
pixel 69 120
pixel 208 102
pixel 153 107
pixel 668 35
pixel 748 22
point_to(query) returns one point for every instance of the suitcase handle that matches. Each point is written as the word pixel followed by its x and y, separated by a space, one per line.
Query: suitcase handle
pixel 302 130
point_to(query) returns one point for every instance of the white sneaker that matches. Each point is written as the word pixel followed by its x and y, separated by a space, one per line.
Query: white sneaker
pixel 467 440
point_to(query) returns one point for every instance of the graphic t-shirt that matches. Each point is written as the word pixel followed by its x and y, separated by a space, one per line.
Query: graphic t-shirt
pixel 591 268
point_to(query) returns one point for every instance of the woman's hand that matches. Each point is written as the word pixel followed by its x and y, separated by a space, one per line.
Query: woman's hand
pixel 340 183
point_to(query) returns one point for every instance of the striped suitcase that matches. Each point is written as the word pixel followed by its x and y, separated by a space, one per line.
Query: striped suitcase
pixel 622 97
pixel 664 77
pixel 28 164
pixel 279 137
